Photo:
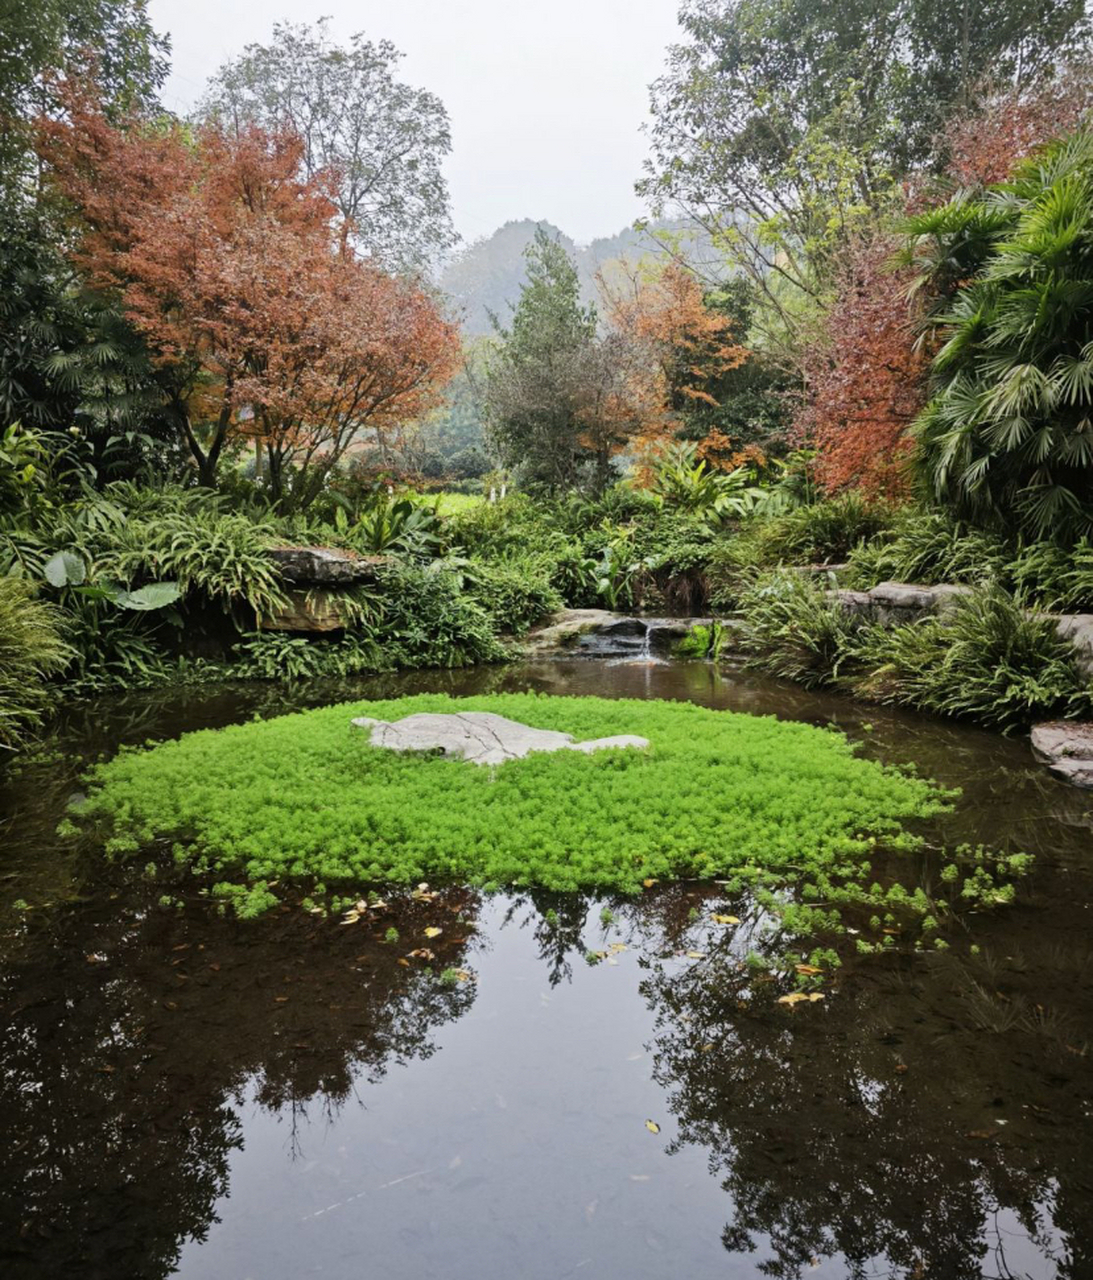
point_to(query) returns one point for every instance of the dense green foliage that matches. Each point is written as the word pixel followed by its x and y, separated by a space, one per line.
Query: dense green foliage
pixel 1008 435
pixel 985 657
pixel 783 127
pixel 763 803
pixel 31 649
pixel 813 533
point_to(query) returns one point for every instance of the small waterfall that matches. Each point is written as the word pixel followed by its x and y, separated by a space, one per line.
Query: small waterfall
pixel 626 640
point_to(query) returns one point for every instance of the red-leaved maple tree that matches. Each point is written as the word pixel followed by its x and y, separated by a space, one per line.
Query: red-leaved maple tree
pixel 865 376
pixel 1008 125
pixel 261 322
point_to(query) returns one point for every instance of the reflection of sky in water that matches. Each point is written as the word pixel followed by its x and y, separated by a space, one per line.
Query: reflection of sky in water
pixel 372 1124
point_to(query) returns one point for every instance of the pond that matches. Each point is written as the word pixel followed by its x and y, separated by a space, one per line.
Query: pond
pixel 182 1093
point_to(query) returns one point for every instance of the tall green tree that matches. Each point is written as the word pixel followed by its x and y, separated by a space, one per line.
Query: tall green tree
pixel 387 140
pixel 532 388
pixel 67 359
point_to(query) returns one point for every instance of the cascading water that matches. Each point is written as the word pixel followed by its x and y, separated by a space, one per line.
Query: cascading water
pixel 632 640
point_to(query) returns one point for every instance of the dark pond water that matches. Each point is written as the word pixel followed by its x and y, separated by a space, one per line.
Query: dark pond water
pixel 184 1094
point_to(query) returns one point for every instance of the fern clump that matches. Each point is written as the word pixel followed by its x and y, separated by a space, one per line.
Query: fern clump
pixel 31 649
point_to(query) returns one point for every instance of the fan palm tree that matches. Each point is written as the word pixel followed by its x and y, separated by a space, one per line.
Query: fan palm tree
pixel 1008 435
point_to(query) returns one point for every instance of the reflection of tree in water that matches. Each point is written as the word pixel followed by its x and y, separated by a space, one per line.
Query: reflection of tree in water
pixel 566 930
pixel 866 1125
pixel 126 1039
pixel 558 922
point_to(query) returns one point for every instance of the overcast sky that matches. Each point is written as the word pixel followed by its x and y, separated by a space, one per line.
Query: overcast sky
pixel 546 100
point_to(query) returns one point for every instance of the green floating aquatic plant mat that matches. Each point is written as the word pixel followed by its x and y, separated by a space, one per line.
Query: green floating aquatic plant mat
pixel 718 794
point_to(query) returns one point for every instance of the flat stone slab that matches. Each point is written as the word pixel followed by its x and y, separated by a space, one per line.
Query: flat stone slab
pixel 894 602
pixel 1062 740
pixel 480 737
pixel 567 627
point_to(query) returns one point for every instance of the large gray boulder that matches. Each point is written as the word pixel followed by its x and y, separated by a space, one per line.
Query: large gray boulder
pixel 1066 747
pixel 893 603
pixel 480 737
pixel 1078 629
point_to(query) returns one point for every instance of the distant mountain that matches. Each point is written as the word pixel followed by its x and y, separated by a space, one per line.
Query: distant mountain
pixel 486 276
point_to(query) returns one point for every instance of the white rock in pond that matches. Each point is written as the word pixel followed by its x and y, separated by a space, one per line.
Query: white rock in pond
pixel 480 737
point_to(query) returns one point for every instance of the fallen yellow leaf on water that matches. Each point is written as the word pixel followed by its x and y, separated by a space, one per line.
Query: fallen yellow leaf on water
pixel 726 919
pixel 652 1126
pixel 615 947
pixel 649 883
pixel 807 968
pixel 696 955
pixel 796 997
pixel 433 932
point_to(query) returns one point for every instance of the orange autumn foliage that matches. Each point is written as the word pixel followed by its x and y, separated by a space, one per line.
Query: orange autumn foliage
pixel 686 345
pixel 865 377
pixel 232 268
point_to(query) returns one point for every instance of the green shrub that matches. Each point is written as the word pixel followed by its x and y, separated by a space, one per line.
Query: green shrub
pixel 31 650
pixel 820 533
pixel 1054 577
pixel 222 557
pixel 516 592
pixel 513 526
pixel 793 630
pixel 274 655
pixel 681 479
pixel 928 547
pixel 986 658
pixel 427 620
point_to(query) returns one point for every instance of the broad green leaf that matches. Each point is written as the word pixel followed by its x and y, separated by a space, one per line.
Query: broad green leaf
pixel 156 595
pixel 65 569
